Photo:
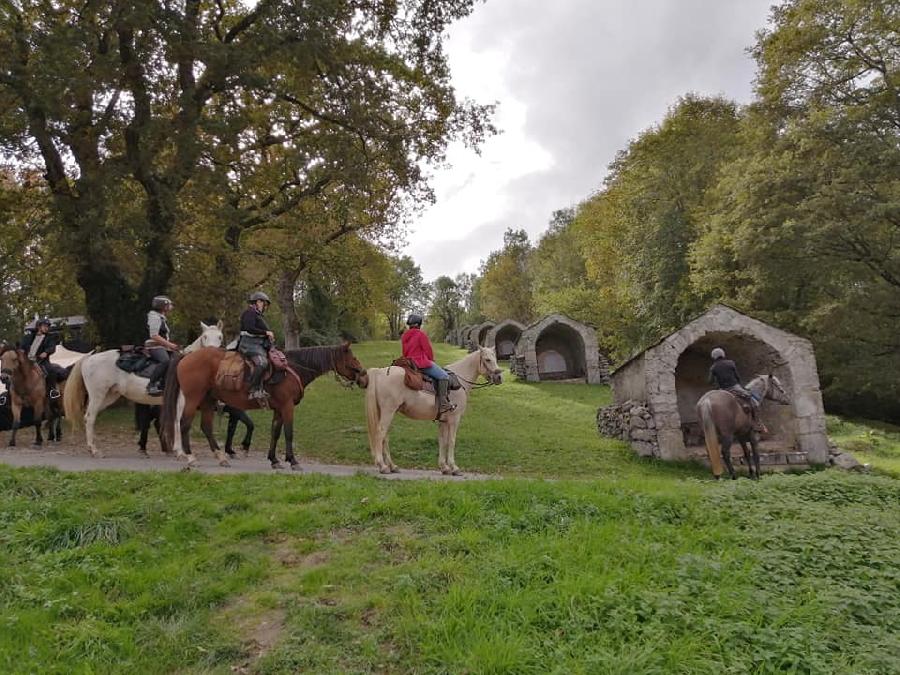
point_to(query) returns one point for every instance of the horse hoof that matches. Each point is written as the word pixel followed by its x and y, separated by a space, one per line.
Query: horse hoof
pixel 224 462
pixel 246 453
pixel 384 470
pixel 456 472
pixel 446 470
pixel 277 465
pixel 186 468
pixel 395 469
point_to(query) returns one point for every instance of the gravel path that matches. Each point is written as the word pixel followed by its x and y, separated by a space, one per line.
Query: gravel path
pixel 68 457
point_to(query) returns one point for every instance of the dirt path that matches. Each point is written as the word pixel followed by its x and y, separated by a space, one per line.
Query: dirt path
pixel 69 457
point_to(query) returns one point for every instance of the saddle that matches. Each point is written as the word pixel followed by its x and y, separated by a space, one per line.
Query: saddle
pixel 134 359
pixel 416 380
pixel 235 370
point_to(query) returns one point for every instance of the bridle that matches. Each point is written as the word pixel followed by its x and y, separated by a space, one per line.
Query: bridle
pixel 477 385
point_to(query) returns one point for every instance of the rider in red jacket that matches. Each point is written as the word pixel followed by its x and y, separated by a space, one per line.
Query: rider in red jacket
pixel 417 347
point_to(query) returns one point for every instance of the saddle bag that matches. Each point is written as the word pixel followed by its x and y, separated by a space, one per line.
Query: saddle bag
pixel 412 376
pixel 230 375
pixel 278 359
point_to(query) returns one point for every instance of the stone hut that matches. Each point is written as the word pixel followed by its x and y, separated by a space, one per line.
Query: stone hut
pixel 656 391
pixel 462 335
pixel 478 334
pixel 558 348
pixel 504 337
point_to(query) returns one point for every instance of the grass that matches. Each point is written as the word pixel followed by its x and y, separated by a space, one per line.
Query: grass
pixel 280 574
pixel 636 567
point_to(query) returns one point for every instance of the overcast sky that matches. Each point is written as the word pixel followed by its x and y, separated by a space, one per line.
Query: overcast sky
pixel 574 80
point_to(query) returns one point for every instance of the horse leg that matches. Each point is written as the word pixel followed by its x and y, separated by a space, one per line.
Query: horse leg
pixel 94 407
pixel 229 434
pixel 726 442
pixel 287 417
pixel 206 426
pixel 142 417
pixel 443 442
pixel 453 425
pixel 382 446
pixel 747 459
pixel 386 453
pixel 248 436
pixel 273 442
pixel 754 445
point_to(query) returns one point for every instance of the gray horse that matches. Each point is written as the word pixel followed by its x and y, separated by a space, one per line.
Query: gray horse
pixel 724 420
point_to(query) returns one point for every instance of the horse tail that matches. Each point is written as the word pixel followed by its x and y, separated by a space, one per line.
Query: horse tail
pixel 168 411
pixel 711 435
pixel 75 396
pixel 373 410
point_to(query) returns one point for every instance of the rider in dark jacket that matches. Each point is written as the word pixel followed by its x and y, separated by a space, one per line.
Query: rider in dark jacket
pixel 39 345
pixel 256 340
pixel 724 374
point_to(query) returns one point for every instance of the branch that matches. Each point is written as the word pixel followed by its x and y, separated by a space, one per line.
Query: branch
pixel 289 203
pixel 245 23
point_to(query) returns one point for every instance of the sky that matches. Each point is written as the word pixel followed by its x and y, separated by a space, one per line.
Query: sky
pixel 574 80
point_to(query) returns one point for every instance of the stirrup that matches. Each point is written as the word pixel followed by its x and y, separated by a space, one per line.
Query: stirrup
pixel 54 394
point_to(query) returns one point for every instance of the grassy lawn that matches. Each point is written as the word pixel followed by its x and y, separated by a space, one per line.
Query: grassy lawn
pixel 635 567
pixel 276 574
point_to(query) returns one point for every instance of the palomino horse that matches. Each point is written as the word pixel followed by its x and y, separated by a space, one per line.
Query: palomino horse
pixel 191 384
pixel 387 395
pixel 27 389
pixel 723 421
pixel 95 383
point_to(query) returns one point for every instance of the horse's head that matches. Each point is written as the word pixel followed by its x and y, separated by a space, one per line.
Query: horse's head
pixel 487 365
pixel 211 336
pixel 11 359
pixel 775 391
pixel 348 366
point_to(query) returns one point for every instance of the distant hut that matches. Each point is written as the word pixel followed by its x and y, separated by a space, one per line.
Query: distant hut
pixel 558 348
pixel 462 335
pixel 504 337
pixel 666 380
pixel 478 334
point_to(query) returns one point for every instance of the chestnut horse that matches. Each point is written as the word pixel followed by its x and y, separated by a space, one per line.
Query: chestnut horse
pixel 27 389
pixel 723 421
pixel 191 384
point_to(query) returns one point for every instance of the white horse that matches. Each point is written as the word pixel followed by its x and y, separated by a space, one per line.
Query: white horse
pixel 95 383
pixel 387 395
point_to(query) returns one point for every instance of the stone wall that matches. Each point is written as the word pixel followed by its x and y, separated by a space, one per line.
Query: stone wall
pixel 630 421
pixel 575 341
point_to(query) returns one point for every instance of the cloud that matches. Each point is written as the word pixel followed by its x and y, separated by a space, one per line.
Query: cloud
pixel 575 80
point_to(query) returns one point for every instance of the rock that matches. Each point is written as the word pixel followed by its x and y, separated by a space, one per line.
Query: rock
pixel 643 435
pixel 846 461
pixel 638 423
pixel 644 449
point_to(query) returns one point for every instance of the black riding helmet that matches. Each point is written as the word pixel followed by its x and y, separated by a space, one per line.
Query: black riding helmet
pixel 43 321
pixel 414 320
pixel 258 295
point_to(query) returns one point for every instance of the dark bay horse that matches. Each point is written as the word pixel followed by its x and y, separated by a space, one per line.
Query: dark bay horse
pixel 191 385
pixel 147 415
pixel 723 421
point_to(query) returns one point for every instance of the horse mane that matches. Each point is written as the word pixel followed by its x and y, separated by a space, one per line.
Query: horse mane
pixel 313 360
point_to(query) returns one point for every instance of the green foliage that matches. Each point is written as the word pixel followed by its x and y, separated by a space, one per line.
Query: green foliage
pixel 505 285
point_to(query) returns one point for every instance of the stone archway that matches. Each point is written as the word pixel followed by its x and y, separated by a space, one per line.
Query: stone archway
pixel 504 337
pixel 557 348
pixel 753 357
pixel 560 353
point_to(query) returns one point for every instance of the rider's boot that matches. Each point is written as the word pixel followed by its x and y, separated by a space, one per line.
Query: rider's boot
pixel 442 396
pixel 257 391
pixel 52 387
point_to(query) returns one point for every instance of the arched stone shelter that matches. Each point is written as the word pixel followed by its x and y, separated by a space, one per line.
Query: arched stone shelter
pixel 504 337
pixel 558 348
pixel 478 334
pixel 666 380
pixel 462 335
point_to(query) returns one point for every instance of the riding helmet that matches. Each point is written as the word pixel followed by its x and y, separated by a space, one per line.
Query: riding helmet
pixel 161 302
pixel 717 353
pixel 414 320
pixel 259 295
pixel 43 320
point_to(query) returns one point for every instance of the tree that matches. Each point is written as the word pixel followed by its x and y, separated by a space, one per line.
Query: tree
pixel 447 307
pixel 143 112
pixel 505 290
pixel 406 292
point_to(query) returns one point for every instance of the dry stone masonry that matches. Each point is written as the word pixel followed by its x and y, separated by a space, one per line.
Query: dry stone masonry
pixel 559 348
pixel 669 378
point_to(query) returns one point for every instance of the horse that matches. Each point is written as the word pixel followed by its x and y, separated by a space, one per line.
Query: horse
pixel 387 395
pixel 26 389
pixel 95 383
pixel 191 384
pixel 145 415
pixel 723 420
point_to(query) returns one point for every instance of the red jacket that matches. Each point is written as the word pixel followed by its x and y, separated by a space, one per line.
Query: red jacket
pixel 417 346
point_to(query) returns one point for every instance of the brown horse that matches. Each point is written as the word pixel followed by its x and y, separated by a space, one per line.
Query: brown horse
pixel 724 420
pixel 191 384
pixel 27 389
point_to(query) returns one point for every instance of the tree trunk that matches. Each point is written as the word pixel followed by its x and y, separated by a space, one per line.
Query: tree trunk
pixel 284 296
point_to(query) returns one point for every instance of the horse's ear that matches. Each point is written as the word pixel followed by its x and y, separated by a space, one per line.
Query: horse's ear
pixel 204 327
pixel 220 325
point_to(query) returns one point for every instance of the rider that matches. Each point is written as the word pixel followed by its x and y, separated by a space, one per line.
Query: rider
pixel 417 347
pixel 723 373
pixel 256 339
pixel 158 345
pixel 39 345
